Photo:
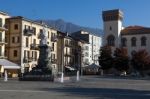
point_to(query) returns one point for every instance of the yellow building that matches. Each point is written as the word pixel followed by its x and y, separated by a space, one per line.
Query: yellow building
pixel 23 40
pixel 4 63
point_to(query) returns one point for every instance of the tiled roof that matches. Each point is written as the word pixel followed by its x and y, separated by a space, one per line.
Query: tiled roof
pixel 131 30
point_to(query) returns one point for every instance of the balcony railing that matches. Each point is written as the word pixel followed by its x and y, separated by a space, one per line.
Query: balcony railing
pixel 54 38
pixel 28 32
pixel 2 57
pixel 34 47
pixel 29 59
pixel 68 54
pixel 2 41
pixel 68 45
pixel 53 61
pixel 2 28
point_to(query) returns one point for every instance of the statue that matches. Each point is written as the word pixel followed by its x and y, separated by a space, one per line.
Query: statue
pixel 43 36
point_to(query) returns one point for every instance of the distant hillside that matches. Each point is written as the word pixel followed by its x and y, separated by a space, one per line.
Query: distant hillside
pixel 63 26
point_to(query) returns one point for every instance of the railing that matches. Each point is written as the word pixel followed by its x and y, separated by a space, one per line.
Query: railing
pixel 29 59
pixel 2 28
pixel 34 47
pixel 28 32
pixel 68 44
pixel 2 41
pixel 54 38
pixel 68 54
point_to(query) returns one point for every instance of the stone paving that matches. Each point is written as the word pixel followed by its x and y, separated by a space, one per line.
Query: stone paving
pixel 89 87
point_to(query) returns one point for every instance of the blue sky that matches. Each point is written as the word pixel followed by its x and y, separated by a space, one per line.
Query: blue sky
pixel 81 12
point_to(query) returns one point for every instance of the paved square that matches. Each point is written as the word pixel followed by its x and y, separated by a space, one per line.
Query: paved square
pixel 89 87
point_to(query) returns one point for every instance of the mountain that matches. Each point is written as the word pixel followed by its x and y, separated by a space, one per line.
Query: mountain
pixel 63 26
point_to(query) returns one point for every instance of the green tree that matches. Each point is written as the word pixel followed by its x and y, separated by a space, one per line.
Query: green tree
pixel 121 59
pixel 105 59
pixel 141 61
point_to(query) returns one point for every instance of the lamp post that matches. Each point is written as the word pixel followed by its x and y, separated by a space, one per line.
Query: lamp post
pixel 62 61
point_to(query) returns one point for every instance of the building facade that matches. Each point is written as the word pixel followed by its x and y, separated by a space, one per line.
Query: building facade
pixel 23 40
pixel 90 49
pixel 5 65
pixel 134 38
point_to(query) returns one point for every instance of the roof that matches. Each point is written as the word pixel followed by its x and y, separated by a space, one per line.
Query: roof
pixel 29 20
pixel 114 11
pixel 87 31
pixel 3 13
pixel 132 30
pixel 8 64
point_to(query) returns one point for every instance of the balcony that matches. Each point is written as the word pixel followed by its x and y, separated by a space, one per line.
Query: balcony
pixel 53 61
pixel 34 47
pixel 2 41
pixel 28 32
pixel 54 39
pixel 28 59
pixel 2 28
pixel 68 54
pixel 2 57
pixel 68 45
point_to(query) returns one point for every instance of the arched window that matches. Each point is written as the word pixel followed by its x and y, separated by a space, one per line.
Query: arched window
pixel 124 42
pixel 133 41
pixel 143 41
pixel 111 40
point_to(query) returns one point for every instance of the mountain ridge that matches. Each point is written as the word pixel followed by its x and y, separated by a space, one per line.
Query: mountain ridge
pixel 69 27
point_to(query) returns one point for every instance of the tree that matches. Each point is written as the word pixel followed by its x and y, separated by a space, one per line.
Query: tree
pixel 141 61
pixel 121 59
pixel 105 59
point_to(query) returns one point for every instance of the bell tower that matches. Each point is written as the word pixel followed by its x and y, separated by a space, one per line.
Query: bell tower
pixel 112 25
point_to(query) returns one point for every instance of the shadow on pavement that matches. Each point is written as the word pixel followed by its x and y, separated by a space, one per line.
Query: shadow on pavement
pixel 102 93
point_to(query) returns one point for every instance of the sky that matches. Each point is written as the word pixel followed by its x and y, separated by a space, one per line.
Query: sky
pixel 81 12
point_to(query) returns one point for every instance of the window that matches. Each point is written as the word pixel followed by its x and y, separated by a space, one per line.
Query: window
pixel 16 26
pixel 143 41
pixel 34 30
pixel 27 42
pixel 53 45
pixel 124 42
pixel 86 48
pixel 35 55
pixel 15 53
pixel 1 22
pixel 34 41
pixel 1 37
pixel 25 53
pixel 110 28
pixel 13 39
pixel 5 52
pixel 0 50
pixel 6 39
pixel 133 41
pixel 111 40
pixel 18 39
pixel 53 56
pixel 48 34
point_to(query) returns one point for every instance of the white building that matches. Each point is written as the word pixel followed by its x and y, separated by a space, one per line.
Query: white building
pixel 90 50
pixel 133 38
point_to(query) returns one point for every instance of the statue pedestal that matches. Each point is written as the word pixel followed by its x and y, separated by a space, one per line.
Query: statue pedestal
pixel 43 71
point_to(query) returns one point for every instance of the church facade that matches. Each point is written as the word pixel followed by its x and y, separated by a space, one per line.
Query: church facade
pixel 134 38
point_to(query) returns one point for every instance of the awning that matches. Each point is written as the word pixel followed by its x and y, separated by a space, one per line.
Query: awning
pixel 92 66
pixel 70 68
pixel 8 64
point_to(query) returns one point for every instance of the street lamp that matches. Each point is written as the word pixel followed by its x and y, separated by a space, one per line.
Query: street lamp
pixel 62 61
